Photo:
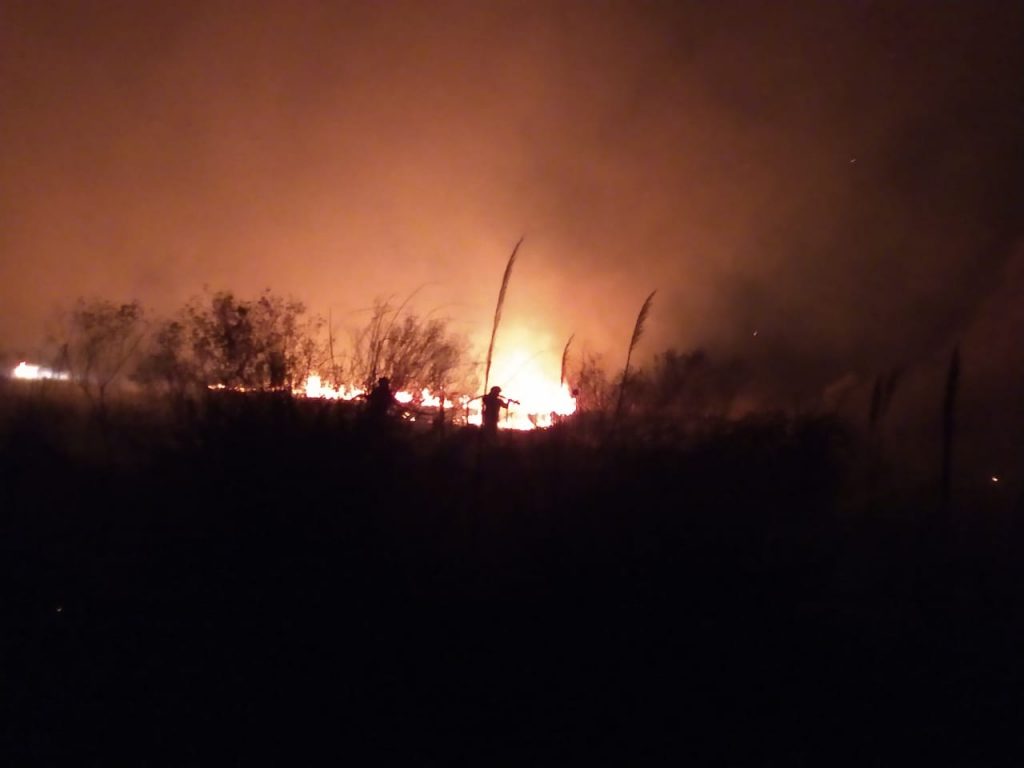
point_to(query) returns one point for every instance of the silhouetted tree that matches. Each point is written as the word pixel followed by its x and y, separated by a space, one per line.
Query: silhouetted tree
pixel 167 363
pixel 686 385
pixel 413 352
pixel 99 339
pixel 266 343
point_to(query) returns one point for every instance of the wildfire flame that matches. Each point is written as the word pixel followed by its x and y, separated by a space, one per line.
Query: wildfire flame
pixel 531 379
pixel 538 401
pixel 540 404
pixel 315 388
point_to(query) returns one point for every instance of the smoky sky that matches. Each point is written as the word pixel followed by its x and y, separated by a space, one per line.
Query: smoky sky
pixel 843 178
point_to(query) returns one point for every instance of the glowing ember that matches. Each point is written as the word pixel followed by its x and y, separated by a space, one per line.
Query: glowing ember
pixel 28 371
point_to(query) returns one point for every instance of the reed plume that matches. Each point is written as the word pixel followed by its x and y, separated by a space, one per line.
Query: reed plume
pixel 638 330
pixel 497 310
pixel 565 357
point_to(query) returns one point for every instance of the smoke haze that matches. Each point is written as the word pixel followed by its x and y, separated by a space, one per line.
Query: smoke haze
pixel 844 179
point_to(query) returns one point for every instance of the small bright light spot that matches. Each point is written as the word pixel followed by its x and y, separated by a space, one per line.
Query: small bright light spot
pixel 853 160
pixel 755 333
pixel 60 609
pixel 25 370
pixel 995 478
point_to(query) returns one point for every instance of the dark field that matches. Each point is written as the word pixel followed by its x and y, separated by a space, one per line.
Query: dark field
pixel 261 579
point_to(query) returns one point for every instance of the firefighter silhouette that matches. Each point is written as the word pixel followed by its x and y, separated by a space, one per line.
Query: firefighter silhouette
pixel 379 400
pixel 493 402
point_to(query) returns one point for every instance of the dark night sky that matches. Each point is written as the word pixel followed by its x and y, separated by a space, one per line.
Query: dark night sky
pixel 846 178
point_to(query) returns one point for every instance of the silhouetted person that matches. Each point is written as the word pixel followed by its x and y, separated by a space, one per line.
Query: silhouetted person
pixel 493 402
pixel 380 400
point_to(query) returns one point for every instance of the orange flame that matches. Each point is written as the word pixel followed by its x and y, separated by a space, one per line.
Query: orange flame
pixel 541 402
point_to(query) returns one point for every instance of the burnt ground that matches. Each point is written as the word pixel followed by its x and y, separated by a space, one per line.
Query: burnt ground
pixel 277 581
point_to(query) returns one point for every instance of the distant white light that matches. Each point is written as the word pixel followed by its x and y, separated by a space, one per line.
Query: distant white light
pixel 25 371
pixel 995 478
pixel 28 371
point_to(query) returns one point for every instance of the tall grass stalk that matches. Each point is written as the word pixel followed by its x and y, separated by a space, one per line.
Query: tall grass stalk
pixel 565 357
pixel 881 397
pixel 949 426
pixel 638 330
pixel 497 311
pixel 330 347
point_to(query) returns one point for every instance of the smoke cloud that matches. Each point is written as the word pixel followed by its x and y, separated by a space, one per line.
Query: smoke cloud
pixel 844 179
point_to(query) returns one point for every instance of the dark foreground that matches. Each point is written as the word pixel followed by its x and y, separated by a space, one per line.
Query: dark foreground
pixel 276 582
